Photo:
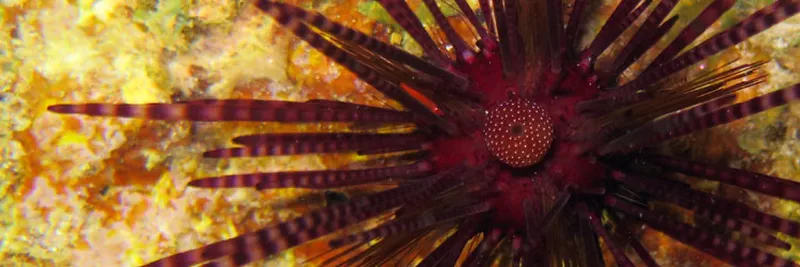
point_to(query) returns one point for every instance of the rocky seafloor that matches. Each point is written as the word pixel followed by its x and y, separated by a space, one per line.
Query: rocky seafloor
pixel 94 191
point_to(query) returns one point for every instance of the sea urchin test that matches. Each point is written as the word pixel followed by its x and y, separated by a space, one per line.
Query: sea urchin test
pixel 518 132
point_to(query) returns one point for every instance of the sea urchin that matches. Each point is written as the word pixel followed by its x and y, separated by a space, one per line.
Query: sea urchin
pixel 523 148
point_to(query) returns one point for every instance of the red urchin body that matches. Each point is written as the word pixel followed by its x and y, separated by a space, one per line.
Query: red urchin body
pixel 520 146
pixel 517 134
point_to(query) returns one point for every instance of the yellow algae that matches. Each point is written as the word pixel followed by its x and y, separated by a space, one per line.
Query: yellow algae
pixel 396 38
pixel 164 191
pixel 215 11
pixel 133 254
pixel 230 229
pixel 153 158
pixel 141 89
pixel 230 57
pixel 72 138
pixel 203 224
pixel 168 22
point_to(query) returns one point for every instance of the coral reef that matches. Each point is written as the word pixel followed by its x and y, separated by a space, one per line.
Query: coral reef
pixel 113 191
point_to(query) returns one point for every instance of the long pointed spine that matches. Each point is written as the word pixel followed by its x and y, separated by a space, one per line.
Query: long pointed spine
pixel 296 144
pixel 335 53
pixel 268 241
pixel 556 36
pixel 479 256
pixel 756 23
pixel 573 25
pixel 390 52
pixel 633 241
pixel 487 41
pixel 507 40
pixel 717 117
pixel 591 247
pixel 612 29
pixel 699 25
pixel 640 44
pixel 486 9
pixel 452 246
pixel 720 247
pixel 536 228
pixel 314 179
pixel 237 110
pixel 463 52
pixel 404 16
pixel 619 255
pixel 770 185
pixel 719 211
pixel 665 123
pixel 417 222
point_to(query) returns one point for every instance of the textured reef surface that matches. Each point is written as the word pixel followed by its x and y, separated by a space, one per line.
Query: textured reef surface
pixel 109 191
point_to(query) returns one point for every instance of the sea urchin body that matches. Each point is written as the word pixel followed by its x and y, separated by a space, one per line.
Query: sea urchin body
pixel 518 132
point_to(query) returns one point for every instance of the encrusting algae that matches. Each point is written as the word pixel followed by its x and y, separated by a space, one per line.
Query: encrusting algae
pixel 112 192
